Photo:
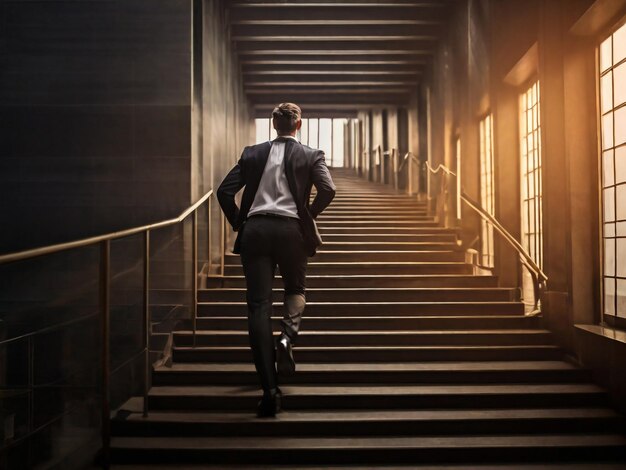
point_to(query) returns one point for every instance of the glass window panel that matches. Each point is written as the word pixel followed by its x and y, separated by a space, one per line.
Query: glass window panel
pixel 304 132
pixel 609 296
pixel 620 164
pixel 313 137
pixel 620 126
pixel 606 54
pixel 621 257
pixel 606 91
pixel 620 202
pixel 338 142
pixel 619 79
pixel 609 230
pixel 609 204
pixel 325 127
pixel 607 168
pixel 621 298
pixel 620 231
pixel 609 257
pixel 607 131
pixel 262 130
pixel 273 133
pixel 619 44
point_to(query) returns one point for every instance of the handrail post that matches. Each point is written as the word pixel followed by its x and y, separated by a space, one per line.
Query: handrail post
pixel 222 244
pixel 194 268
pixel 105 298
pixel 146 318
pixel 394 156
pixel 409 171
pixel 209 238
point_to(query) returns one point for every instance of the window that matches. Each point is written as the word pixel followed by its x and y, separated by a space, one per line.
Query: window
pixel 325 134
pixel 613 171
pixel 487 200
pixel 531 182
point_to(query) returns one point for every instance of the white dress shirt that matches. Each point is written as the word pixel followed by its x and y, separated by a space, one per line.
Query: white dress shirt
pixel 273 194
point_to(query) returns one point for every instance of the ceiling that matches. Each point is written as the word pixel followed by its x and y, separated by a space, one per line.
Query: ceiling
pixel 334 58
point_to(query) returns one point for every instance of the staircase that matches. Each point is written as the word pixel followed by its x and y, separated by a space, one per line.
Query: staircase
pixel 405 357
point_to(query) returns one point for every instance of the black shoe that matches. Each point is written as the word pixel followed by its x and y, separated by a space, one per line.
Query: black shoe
pixel 270 404
pixel 285 363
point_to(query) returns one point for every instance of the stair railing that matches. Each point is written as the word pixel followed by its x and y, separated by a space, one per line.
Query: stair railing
pixel 539 278
pixel 410 161
pixel 104 289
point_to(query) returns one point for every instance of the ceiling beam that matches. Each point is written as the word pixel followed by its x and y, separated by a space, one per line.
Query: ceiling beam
pixel 345 45
pixel 337 12
pixel 308 67
pixel 299 31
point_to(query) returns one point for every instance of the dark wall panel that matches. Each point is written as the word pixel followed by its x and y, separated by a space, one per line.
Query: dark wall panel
pixel 95 117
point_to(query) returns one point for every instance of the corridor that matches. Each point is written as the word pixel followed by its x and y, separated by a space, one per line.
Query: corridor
pixel 466 310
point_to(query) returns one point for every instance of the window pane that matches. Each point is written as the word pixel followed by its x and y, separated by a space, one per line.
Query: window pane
pixel 609 204
pixel 606 55
pixel 313 137
pixel 607 169
pixel 621 297
pixel 620 164
pixel 607 131
pixel 304 132
pixel 609 230
pixel 620 204
pixel 609 257
pixel 621 257
pixel 606 91
pixel 620 126
pixel 620 85
pixel 619 44
pixel 325 143
pixel 338 142
pixel 621 229
pixel 609 296
pixel 262 130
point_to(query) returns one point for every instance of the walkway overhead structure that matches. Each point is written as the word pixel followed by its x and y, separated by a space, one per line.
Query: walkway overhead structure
pixel 335 58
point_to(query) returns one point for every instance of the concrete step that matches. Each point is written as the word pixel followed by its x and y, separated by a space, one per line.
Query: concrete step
pixel 354 223
pixel 357 255
pixel 375 338
pixel 381 373
pixel 373 354
pixel 375 267
pixel 356 216
pixel 382 245
pixel 373 294
pixel 383 323
pixel 368 422
pixel 368 450
pixel 374 308
pixel 343 237
pixel 367 280
pixel 380 397
pixel 385 229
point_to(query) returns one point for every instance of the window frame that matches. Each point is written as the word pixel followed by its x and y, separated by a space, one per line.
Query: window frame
pixel 612 319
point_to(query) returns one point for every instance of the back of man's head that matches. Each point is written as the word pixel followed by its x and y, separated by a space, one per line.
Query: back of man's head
pixel 285 117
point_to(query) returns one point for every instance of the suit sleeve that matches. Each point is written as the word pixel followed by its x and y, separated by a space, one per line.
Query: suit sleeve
pixel 231 185
pixel 323 183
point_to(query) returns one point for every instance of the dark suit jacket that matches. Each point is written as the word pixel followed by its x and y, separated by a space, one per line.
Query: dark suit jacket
pixel 304 167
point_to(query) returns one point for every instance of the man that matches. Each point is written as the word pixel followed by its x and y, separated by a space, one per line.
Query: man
pixel 275 227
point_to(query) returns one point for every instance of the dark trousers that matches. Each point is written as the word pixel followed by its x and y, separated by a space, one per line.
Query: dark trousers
pixel 267 242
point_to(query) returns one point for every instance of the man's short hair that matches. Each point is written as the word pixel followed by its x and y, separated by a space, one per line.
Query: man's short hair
pixel 286 117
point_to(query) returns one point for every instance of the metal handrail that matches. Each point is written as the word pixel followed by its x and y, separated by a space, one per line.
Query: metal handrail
pixel 49 249
pixel 104 241
pixel 407 156
pixel 539 278
pixel 526 258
